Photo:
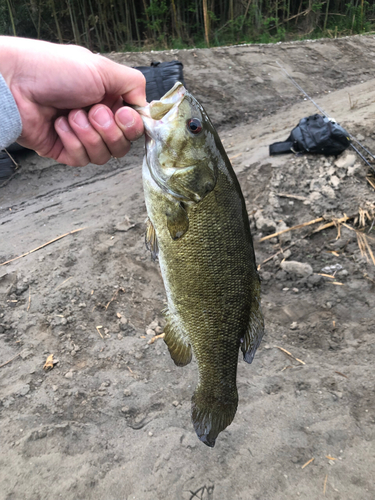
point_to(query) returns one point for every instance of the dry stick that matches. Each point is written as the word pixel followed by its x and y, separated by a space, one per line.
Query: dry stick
pixel 156 337
pixel 12 159
pixel 281 251
pixel 298 226
pixel 10 360
pixel 325 485
pixel 293 196
pixel 309 223
pixel 42 246
pixel 307 463
pixel 61 284
pixel 290 354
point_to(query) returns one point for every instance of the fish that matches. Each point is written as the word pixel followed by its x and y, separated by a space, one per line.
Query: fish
pixel 199 230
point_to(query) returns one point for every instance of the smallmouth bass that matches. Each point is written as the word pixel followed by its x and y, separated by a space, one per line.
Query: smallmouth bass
pixel 199 228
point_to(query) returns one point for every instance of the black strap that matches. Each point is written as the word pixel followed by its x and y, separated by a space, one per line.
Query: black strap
pixel 157 71
pixel 279 148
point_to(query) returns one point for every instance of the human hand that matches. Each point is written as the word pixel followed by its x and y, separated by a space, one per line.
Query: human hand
pixel 71 100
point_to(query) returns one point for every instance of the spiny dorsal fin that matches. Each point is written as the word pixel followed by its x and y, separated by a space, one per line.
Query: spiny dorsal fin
pixel 179 348
pixel 151 239
pixel 254 332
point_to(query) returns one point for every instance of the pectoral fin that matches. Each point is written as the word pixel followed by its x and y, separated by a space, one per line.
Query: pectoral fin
pixel 151 240
pixel 177 221
pixel 179 348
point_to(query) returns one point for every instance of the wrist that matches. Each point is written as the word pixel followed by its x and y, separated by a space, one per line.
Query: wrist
pixel 8 58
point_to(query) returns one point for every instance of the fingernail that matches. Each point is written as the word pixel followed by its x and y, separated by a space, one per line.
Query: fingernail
pixel 102 117
pixel 63 124
pixel 126 117
pixel 80 119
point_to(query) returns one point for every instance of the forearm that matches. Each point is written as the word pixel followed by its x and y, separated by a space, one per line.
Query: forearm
pixel 10 119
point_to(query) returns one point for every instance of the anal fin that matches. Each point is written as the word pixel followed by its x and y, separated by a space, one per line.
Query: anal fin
pixel 179 348
pixel 254 332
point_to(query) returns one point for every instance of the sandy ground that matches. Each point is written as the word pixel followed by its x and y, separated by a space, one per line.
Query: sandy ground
pixel 112 419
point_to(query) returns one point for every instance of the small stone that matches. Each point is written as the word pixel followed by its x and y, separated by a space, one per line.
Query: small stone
pixel 294 325
pixel 54 388
pixel 153 324
pixel 356 168
pixel 329 192
pixel 300 269
pixel 125 409
pixel 123 320
pixel 127 393
pixel 295 290
pixel 150 434
pixel 158 330
pixel 24 390
pixel 175 403
pixel 69 374
pixel 335 181
pixel 119 336
pixel 345 161
pixel 150 332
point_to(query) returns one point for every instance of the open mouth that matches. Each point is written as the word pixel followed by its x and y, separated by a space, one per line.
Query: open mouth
pixel 157 110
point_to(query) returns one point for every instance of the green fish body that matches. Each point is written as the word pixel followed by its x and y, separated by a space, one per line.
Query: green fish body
pixel 199 227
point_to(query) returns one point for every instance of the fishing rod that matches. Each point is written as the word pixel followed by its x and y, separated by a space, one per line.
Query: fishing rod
pixel 325 114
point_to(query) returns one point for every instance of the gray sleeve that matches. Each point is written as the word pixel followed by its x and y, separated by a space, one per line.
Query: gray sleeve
pixel 10 119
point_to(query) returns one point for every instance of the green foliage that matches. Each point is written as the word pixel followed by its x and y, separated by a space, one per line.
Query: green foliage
pixel 106 25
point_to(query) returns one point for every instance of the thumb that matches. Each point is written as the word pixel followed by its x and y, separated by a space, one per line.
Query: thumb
pixel 121 80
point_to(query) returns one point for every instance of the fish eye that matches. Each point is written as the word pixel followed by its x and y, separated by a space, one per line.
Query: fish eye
pixel 194 125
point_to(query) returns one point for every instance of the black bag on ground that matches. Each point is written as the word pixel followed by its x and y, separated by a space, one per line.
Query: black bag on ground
pixel 314 134
pixel 6 165
pixel 160 77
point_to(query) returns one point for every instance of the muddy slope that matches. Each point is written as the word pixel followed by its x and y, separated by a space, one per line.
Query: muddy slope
pixel 112 419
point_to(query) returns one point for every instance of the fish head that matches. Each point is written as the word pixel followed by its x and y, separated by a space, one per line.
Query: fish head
pixel 181 145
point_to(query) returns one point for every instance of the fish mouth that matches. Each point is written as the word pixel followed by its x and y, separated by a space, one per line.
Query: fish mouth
pixel 158 113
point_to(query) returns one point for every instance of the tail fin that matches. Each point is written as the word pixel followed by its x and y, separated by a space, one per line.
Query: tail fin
pixel 212 415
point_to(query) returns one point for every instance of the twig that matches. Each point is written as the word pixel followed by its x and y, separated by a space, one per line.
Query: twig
pixel 307 463
pixel 152 340
pixel 114 296
pixel 61 284
pixel 9 179
pixel 98 330
pixel 293 196
pixel 10 360
pixel 281 251
pixel 298 226
pixel 12 159
pixel 325 485
pixel 290 354
pixel 28 307
pixel 341 374
pixel 235 156
pixel 42 246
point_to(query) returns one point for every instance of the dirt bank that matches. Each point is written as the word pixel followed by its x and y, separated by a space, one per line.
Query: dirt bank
pixel 112 419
